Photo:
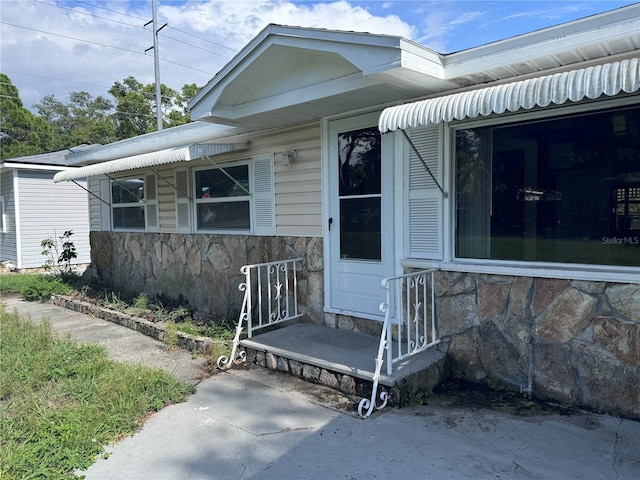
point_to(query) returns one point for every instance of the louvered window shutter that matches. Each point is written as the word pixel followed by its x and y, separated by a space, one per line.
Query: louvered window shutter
pixel 183 211
pixel 262 192
pixel 425 198
pixel 104 192
pixel 151 202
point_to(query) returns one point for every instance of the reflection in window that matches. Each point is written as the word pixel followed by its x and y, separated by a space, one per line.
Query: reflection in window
pixel 222 199
pixel 360 196
pixel 562 190
pixel 127 201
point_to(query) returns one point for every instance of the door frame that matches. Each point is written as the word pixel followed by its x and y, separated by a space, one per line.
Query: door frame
pixel 389 240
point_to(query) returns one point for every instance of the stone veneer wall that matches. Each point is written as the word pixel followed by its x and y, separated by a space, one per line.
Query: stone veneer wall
pixel 205 269
pixel 576 342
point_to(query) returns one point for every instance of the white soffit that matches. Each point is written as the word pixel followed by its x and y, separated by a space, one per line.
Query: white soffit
pixel 575 85
pixel 146 160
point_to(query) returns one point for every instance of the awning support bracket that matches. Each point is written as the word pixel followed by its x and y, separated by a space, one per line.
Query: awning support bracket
pixel 170 184
pixel 415 149
pixel 91 193
pixel 227 174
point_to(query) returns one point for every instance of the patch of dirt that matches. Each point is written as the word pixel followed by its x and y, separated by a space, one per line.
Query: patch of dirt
pixel 463 394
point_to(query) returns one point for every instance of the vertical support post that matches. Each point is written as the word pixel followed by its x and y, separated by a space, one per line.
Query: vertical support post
pixel 249 302
pixel 433 308
pixel 286 289
pixel 388 324
pixel 425 310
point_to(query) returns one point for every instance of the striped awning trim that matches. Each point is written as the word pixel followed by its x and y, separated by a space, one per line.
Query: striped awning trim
pixel 574 85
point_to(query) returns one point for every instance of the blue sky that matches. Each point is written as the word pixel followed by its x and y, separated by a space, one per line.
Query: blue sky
pixel 60 46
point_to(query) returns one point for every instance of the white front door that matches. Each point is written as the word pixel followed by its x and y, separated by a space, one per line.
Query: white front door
pixel 360 216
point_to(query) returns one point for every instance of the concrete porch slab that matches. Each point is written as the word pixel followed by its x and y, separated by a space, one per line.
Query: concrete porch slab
pixel 341 351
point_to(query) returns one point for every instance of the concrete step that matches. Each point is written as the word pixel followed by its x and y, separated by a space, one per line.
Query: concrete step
pixel 345 361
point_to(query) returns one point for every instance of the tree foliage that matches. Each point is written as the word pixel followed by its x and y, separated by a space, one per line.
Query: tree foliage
pixel 21 132
pixel 85 119
pixel 136 106
pixel 134 113
pixel 181 116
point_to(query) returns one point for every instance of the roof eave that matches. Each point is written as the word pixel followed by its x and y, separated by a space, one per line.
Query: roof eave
pixel 594 31
pixel 190 133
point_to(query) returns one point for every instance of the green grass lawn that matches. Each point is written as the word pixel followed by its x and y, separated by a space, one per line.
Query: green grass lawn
pixel 36 286
pixel 61 402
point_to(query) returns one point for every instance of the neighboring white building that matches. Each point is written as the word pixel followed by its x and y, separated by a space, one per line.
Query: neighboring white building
pixel 513 168
pixel 33 208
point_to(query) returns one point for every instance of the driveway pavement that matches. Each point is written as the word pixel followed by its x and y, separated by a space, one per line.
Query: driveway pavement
pixel 259 424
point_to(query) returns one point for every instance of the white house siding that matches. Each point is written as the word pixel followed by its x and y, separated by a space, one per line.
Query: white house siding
pixel 205 267
pixel 48 209
pixel 166 199
pixel 8 238
pixel 298 195
pixel 297 186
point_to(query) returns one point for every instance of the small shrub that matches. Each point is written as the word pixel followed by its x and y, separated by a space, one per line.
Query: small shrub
pixel 60 251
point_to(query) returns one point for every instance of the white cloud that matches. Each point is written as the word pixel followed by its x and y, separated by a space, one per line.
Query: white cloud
pixel 442 21
pixel 56 47
pixel 239 21
pixel 59 46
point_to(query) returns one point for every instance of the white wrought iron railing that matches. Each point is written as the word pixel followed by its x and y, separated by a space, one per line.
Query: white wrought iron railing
pixel 270 297
pixel 409 327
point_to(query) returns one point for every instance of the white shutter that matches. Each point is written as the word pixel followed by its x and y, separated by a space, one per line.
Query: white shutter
pixel 183 211
pixel 425 227
pixel 151 202
pixel 262 191
pixel 104 192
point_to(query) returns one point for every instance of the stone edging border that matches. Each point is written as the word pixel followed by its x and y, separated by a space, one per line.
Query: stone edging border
pixel 202 345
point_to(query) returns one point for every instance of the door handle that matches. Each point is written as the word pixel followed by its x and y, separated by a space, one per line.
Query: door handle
pixel 330 222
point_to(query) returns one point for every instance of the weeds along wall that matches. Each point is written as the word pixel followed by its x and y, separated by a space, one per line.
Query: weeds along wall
pixel 577 342
pixel 204 269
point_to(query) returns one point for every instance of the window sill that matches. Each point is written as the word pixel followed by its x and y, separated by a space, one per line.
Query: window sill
pixel 223 232
pixel 594 273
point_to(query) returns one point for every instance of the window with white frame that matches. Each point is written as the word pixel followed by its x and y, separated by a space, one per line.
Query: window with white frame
pixel 223 198
pixel 562 190
pixel 133 203
pixel 235 198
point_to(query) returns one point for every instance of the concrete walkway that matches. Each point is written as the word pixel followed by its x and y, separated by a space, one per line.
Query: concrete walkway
pixel 260 424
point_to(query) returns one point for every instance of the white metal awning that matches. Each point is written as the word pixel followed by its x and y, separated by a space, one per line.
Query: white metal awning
pixel 575 85
pixel 146 160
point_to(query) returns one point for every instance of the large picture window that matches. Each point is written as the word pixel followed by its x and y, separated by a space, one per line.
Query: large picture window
pixel 127 202
pixel 563 190
pixel 223 198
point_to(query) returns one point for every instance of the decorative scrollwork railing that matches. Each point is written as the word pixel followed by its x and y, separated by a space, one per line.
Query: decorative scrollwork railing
pixel 366 405
pixel 409 327
pixel 270 297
